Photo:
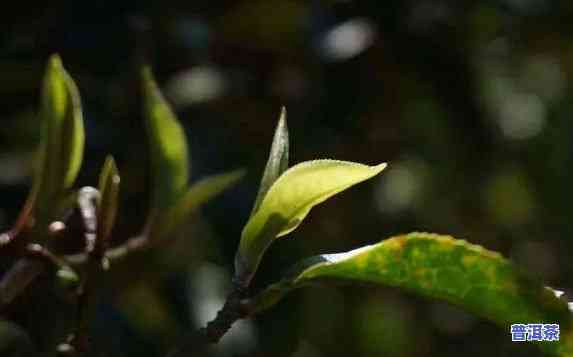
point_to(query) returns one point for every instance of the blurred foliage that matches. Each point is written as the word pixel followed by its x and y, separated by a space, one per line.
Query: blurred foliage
pixel 470 103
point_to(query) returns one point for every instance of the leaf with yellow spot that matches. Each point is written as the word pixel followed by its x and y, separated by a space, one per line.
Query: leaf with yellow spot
pixel 440 267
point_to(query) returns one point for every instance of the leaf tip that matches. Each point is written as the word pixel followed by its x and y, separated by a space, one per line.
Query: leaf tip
pixel 55 62
pixel 148 80
pixel 111 167
pixel 146 73
pixel 282 128
pixel 283 116
pixel 380 167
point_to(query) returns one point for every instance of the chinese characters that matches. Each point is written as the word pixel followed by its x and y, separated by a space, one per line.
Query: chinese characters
pixel 534 332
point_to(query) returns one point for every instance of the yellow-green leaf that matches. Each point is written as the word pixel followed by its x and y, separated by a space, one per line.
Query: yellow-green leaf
pixel 440 267
pixel 62 145
pixel 278 159
pixel 109 181
pixel 168 145
pixel 289 200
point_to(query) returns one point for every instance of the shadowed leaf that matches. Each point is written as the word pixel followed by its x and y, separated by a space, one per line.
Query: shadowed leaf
pixel 109 181
pixel 197 195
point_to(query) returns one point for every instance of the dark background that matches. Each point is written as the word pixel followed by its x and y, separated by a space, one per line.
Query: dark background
pixel 469 102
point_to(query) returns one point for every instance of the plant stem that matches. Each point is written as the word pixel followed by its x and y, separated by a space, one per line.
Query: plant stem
pixel 87 200
pixel 37 259
pixel 131 245
pixel 26 270
pixel 232 311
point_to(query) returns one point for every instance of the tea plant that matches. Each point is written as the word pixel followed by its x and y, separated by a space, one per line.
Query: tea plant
pixel 439 267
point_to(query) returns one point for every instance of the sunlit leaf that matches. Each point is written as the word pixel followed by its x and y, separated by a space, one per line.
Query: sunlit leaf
pixel 168 145
pixel 278 160
pixel 440 267
pixel 289 200
pixel 107 209
pixel 62 145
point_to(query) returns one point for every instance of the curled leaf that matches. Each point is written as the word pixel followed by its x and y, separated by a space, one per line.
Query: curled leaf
pixel 289 200
pixel 62 146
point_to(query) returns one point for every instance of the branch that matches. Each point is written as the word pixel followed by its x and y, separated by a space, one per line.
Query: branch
pixel 133 244
pixel 27 269
pixel 234 309
pixel 35 259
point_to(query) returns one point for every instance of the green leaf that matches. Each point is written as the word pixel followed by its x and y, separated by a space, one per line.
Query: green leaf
pixel 205 190
pixel 168 145
pixel 287 203
pixel 440 267
pixel 62 146
pixel 277 162
pixel 197 195
pixel 107 209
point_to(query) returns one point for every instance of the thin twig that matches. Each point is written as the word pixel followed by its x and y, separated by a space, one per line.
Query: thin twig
pixel 131 245
pixel 17 279
pixel 43 253
pixel 36 259
pixel 26 270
